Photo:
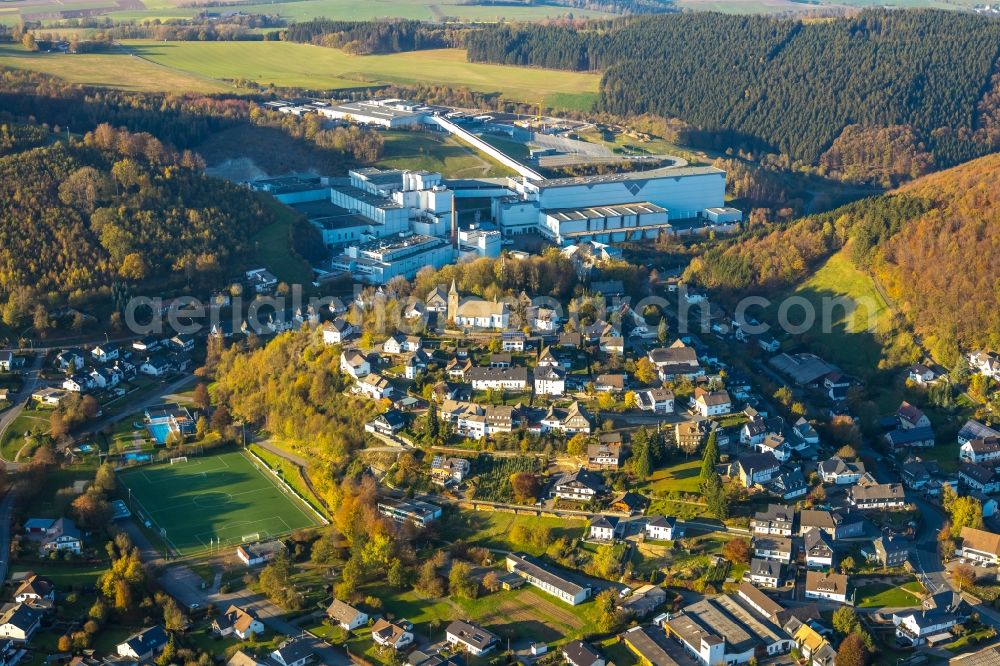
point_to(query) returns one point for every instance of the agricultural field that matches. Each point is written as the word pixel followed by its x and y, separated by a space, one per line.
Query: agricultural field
pixel 109 70
pixel 210 67
pixel 224 498
pixel 492 476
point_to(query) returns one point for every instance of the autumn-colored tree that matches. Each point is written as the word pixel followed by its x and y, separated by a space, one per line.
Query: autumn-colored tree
pixel 577 445
pixel 964 575
pixel 526 487
pixel 737 551
pixel 645 370
pixel 491 581
pixel 200 397
pixel 853 651
pixel 965 511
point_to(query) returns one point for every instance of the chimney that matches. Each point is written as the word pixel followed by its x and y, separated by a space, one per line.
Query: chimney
pixel 454 224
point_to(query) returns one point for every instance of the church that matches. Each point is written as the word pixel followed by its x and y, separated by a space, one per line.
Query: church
pixel 476 312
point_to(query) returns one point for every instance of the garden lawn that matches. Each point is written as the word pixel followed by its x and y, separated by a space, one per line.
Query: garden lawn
pixel 492 529
pixel 682 478
pixel 883 595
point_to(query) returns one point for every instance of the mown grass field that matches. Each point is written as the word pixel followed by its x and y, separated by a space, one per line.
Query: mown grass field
pixel 850 340
pixel 109 70
pixel 432 152
pixel 492 529
pixel 314 67
pixel 303 10
pixel 682 477
pixel 223 497
pixel 882 595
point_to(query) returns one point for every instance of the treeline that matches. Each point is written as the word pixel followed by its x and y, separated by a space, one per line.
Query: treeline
pixel 608 6
pixel 362 38
pixel 932 245
pixel 786 86
pixel 364 145
pixel 203 28
pixel 77 217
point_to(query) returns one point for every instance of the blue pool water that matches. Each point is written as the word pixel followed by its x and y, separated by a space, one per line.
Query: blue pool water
pixel 86 448
pixel 159 431
pixel 137 457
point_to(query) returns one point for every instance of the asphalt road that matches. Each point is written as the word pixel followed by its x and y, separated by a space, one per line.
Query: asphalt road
pixel 19 400
pixel 6 508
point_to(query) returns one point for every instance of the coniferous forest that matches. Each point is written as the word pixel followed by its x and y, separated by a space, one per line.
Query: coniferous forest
pixel 786 86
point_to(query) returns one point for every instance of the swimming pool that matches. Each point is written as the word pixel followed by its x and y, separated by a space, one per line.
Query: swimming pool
pixel 159 431
pixel 137 457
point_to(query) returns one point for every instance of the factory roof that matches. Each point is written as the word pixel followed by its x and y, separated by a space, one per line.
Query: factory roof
pixel 372 110
pixel 666 172
pixel 610 210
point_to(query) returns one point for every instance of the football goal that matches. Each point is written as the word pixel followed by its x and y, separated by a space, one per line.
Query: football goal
pixel 251 537
pixel 178 459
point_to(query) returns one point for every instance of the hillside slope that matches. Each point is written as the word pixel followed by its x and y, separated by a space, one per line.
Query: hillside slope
pixel 934 246
pixel 944 267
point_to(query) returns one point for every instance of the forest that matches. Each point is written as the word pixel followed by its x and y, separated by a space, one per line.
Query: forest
pixel 77 217
pixel 933 245
pixel 790 87
pixel 362 38
pixel 610 6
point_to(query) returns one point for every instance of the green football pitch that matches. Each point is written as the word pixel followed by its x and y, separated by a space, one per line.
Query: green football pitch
pixel 213 502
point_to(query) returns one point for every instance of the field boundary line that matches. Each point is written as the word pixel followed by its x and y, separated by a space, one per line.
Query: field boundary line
pixel 274 478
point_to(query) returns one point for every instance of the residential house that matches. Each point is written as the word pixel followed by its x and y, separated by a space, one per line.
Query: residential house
pixel 293 652
pixel 836 524
pixel 395 635
pixel 712 403
pixel 547 578
pixel 445 471
pixel 549 380
pixel 605 528
pixel 628 502
pixel 155 365
pixel 104 353
pixel 470 638
pixel 605 454
pixel 145 645
pixel 920 374
pixel 388 424
pixel 578 653
pixel 805 431
pixel 477 421
pixel 70 360
pixel 829 586
pixel 773 548
pixel 789 484
pixel 777 446
pixel 63 535
pixel 910 417
pixel 839 471
pixel 354 363
pixel 975 430
pixel 374 386
pixel 498 379
pixel 766 573
pixel 512 341
pixel 887 551
pixel 346 615
pixel 570 420
pixel 238 622
pixel 657 400
pixel 689 435
pixel 979 477
pixel 989 504
pixel 877 496
pixel 818 549
pixel 77 383
pixel 980 546
pixel 757 468
pixel 437 299
pixel 181 343
pixel 921 626
pixel 400 344
pixel 776 520
pixel 337 331
pixel 922 437
pixel 675 361
pixel 581 486
pixel 610 383
pixel 663 528
pixel 981 450
pixel 35 588
pixel 986 363
pixel 19 623
pixel 813 646
pixel 650 645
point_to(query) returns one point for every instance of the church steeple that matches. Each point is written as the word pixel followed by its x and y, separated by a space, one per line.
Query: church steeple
pixel 452 301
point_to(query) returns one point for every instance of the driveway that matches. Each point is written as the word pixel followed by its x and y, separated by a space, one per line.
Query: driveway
pixel 22 397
